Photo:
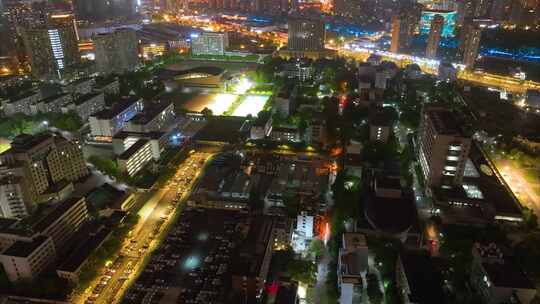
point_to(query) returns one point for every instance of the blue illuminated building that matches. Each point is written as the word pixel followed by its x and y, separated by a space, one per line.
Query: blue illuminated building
pixel 449 21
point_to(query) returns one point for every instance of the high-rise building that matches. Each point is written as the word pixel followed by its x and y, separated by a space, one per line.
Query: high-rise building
pixel 116 52
pixel 306 33
pixel 443 148
pixel 209 43
pixel 52 47
pixel 471 42
pixel 403 28
pixel 37 168
pixel 434 36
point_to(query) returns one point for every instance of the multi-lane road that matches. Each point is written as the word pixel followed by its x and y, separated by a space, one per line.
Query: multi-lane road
pixel 155 216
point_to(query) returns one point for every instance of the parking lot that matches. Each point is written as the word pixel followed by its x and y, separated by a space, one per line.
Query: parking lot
pixel 191 265
pixel 118 273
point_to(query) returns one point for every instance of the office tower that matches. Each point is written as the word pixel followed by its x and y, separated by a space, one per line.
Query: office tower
pixel 403 28
pixel 209 43
pixel 434 36
pixel 35 169
pixel 52 47
pixel 306 33
pixel 443 148
pixel 471 42
pixel 116 52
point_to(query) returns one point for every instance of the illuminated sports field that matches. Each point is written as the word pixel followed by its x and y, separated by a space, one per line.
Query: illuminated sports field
pixel 221 103
pixel 251 104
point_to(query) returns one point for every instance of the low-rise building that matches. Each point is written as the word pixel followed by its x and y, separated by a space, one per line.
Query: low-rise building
pixel 252 262
pixel 284 134
pixel 352 267
pixel 135 157
pixel 54 103
pixel 380 124
pixel 301 71
pixel 70 268
pixel 303 233
pixel 417 280
pixel 87 104
pixel 498 278
pixel 25 103
pixel 81 86
pixel 109 86
pixel 24 260
pixel 155 118
pixel 106 123
pixel 261 127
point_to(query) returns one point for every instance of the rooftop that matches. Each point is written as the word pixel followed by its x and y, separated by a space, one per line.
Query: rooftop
pixel 221 129
pixel 444 121
pixel 425 282
pixel 83 98
pixel 75 260
pixel 502 269
pixel 54 97
pixel 23 249
pixel 133 149
pixel 382 117
pixel 117 108
pixel 56 213
pixel 150 112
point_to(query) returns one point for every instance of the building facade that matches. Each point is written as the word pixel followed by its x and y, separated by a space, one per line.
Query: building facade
pixel 434 37
pixel 52 47
pixel 38 168
pixel 209 43
pixel 443 149
pixel 116 52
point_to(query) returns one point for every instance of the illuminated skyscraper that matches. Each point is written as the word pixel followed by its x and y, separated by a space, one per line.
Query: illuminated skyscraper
pixel 472 36
pixel 52 47
pixel 434 36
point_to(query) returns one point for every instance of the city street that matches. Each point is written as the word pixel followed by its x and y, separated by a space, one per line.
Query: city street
pixel 155 216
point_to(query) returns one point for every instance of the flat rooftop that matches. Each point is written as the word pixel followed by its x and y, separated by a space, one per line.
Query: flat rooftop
pixel 84 98
pixel 221 129
pixel 133 149
pixel 55 214
pixel 83 251
pixel 424 281
pixel 444 121
pixel 23 249
pixel 117 108
pixel 150 112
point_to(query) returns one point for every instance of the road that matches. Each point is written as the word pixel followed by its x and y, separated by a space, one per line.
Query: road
pixel 155 216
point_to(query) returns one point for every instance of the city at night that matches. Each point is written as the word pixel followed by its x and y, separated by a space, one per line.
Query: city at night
pixel 269 151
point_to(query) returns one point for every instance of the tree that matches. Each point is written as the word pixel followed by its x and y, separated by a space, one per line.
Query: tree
pixel 316 248
pixel 207 112
pixel 373 289
pixel 106 166
pixel 302 271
